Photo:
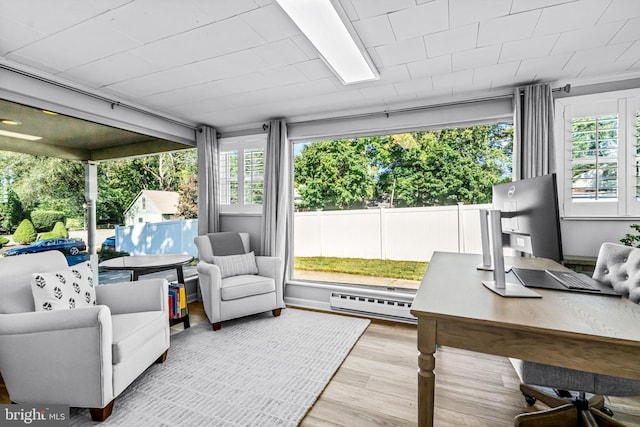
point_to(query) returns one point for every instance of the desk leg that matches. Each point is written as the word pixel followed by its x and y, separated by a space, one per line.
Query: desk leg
pixel 426 376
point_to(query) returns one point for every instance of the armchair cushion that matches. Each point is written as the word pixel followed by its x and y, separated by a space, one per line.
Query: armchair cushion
pixel 236 265
pixel 70 287
pixel 132 330
pixel 245 286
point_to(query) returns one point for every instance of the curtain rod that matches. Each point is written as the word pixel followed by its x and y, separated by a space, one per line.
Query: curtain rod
pixel 113 103
pixel 566 88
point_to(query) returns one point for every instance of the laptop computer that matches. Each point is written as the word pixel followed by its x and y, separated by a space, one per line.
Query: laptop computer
pixel 552 279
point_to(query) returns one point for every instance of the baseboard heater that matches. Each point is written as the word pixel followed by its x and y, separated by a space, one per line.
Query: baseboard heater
pixel 385 306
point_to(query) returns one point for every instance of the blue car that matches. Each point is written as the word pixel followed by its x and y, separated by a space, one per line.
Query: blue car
pixel 109 243
pixel 66 246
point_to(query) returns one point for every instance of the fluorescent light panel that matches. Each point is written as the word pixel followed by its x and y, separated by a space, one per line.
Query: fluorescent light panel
pixel 19 135
pixel 321 24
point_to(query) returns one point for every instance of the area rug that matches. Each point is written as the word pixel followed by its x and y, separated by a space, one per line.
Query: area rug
pixel 256 371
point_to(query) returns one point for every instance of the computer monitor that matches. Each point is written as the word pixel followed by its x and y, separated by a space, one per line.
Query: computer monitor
pixel 530 218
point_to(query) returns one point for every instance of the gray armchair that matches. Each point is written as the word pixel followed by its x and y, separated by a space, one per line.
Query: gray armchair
pixel 618 267
pixel 228 294
pixel 81 357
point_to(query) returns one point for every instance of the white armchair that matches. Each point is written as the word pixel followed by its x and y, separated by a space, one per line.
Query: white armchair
pixel 82 357
pixel 227 297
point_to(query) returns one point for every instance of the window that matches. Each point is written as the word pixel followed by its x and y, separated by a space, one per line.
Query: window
pixel 599 155
pixel 242 174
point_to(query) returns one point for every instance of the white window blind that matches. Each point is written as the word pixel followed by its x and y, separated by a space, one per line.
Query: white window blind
pixel 242 173
pixel 598 147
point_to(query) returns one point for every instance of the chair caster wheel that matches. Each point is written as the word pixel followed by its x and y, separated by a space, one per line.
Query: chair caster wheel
pixel 606 411
pixel 530 400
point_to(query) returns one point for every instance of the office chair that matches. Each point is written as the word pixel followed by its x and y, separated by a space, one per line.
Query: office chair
pixel 617 266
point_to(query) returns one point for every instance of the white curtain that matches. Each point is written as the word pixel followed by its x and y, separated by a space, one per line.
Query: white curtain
pixel 277 206
pixel 533 146
pixel 208 178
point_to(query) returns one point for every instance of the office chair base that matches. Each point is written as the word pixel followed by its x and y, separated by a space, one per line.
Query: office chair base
pixel 567 411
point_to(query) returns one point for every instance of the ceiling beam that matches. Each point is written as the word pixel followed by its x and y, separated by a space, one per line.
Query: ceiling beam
pixel 40 149
pixel 136 150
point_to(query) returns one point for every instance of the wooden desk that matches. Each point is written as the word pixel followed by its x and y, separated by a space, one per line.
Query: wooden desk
pixel 581 331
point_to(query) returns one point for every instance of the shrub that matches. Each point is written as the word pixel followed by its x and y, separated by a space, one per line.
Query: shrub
pixel 25 233
pixel 48 235
pixel 3 241
pixel 632 240
pixel 75 224
pixel 60 229
pixel 45 220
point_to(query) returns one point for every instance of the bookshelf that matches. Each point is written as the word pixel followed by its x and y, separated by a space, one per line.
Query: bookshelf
pixel 178 309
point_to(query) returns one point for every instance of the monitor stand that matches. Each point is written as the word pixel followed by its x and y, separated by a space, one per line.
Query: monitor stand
pixel 499 284
pixel 485 238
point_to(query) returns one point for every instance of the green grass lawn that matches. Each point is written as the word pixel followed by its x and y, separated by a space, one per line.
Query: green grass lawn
pixel 409 270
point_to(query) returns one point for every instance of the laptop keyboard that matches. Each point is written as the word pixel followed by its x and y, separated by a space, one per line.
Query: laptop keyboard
pixel 571 281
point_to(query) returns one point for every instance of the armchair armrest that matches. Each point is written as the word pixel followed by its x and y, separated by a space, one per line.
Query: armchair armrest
pixel 272 267
pixel 76 342
pixel 132 297
pixel 210 280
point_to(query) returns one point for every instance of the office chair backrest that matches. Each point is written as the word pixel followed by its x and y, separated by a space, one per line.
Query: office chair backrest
pixel 618 266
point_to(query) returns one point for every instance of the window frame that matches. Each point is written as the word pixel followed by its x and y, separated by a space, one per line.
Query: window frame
pixel 625 105
pixel 241 144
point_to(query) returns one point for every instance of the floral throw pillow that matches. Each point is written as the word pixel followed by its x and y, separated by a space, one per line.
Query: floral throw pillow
pixel 72 287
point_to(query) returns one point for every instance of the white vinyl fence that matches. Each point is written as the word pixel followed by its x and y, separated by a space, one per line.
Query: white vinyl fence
pixel 409 234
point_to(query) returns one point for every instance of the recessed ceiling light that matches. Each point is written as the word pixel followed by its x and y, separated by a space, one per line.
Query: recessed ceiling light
pixel 9 122
pixel 320 23
pixel 49 112
pixel 19 135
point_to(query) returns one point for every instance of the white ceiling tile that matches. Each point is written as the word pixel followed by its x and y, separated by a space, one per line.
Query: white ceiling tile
pixel 201 43
pixel 34 63
pixel 451 80
pixel 621 9
pixel 450 41
pixel 271 23
pixel 220 10
pixel 417 86
pixel 495 73
pixel 283 52
pixel 430 67
pixel 314 69
pixel 162 19
pixel 379 92
pixel 392 74
pixel 305 45
pixel 369 8
pixel 14 35
pixel 588 57
pixel 507 28
pixel 463 12
pixel 596 36
pixel 632 54
pixel 375 31
pixel 283 76
pixel 475 58
pixel 570 16
pixel 83 43
pixel 630 31
pixel 424 19
pixel 607 68
pixel 116 68
pixel 529 48
pixel 530 68
pixel 525 5
pixel 51 17
pixel 402 52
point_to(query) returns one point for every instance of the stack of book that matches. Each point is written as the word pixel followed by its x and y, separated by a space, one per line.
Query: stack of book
pixel 177 301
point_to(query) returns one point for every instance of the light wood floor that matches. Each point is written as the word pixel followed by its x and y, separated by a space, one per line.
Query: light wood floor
pixel 376 385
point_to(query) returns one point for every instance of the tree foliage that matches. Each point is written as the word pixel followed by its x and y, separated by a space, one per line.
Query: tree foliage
pixel 188 199
pixel 429 168
pixel 25 233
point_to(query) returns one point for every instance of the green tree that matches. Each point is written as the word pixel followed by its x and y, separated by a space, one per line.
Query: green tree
pixel 188 199
pixel 11 212
pixel 334 175
pixel 25 233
